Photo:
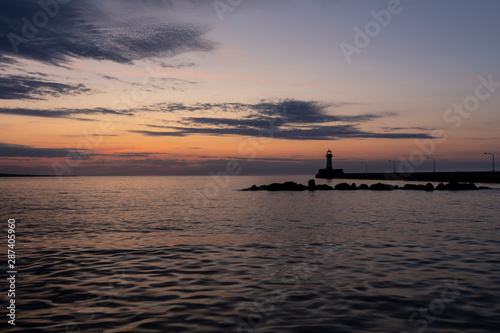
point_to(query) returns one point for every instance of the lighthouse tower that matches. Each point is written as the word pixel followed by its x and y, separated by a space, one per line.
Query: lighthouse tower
pixel 329 160
pixel 329 172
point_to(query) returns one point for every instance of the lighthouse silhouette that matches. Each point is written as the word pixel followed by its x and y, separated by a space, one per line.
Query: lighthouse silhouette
pixel 329 160
pixel 329 172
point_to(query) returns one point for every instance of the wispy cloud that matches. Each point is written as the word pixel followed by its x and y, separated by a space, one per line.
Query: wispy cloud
pixel 60 113
pixel 312 133
pixel 483 138
pixel 25 87
pixel 151 133
pixel 176 73
pixel 417 128
pixel 303 111
pixel 133 155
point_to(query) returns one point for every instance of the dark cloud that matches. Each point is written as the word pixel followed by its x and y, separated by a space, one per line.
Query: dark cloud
pixel 10 150
pixel 181 107
pixel 151 133
pixel 101 30
pixel 418 128
pixel 60 113
pixel 298 111
pixel 6 60
pixel 23 87
pixel 308 112
pixel 482 138
pixel 131 155
pixel 13 150
pixel 200 107
pixel 289 119
pixel 176 65
pixel 108 77
pixel 310 133
pixel 79 135
pixel 234 123
pixel 285 119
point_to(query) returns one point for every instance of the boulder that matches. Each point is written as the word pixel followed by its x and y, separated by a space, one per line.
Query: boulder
pixel 419 187
pixel 343 187
pixel 381 187
pixel 441 187
pixel 324 187
pixel 311 185
pixel 253 188
pixel 455 186
pixel 286 186
pixel 429 187
pixel 363 187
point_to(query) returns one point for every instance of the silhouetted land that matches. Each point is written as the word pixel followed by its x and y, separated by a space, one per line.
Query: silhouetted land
pixel 465 177
pixel 16 175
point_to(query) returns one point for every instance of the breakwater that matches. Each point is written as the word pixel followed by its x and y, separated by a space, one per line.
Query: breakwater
pixel 312 186
pixel 465 177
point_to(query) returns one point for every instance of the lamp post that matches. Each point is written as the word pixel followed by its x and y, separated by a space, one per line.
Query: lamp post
pixel 366 166
pixel 433 163
pixel 394 165
pixel 493 157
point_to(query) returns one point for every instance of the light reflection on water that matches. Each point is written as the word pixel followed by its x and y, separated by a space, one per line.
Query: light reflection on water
pixel 116 254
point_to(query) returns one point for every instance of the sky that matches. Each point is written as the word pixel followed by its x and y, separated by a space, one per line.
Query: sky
pixel 197 87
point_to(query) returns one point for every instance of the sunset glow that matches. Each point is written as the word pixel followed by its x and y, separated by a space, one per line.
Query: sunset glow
pixel 182 87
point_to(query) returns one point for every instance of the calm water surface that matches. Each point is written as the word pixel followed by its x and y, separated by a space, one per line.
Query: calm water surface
pixel 155 254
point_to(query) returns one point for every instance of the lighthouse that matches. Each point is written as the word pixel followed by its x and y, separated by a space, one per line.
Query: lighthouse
pixel 329 172
pixel 329 160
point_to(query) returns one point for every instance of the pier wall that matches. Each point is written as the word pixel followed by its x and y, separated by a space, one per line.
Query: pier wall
pixel 465 177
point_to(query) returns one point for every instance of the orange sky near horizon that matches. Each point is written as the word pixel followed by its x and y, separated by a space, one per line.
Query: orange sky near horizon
pixel 199 89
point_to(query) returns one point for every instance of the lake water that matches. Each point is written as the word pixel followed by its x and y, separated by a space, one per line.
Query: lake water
pixel 192 254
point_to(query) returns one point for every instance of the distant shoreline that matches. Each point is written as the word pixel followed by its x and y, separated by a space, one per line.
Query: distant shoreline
pixel 30 176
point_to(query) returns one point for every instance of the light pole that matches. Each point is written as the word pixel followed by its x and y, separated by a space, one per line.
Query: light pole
pixel 493 156
pixel 394 165
pixel 433 163
pixel 366 166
